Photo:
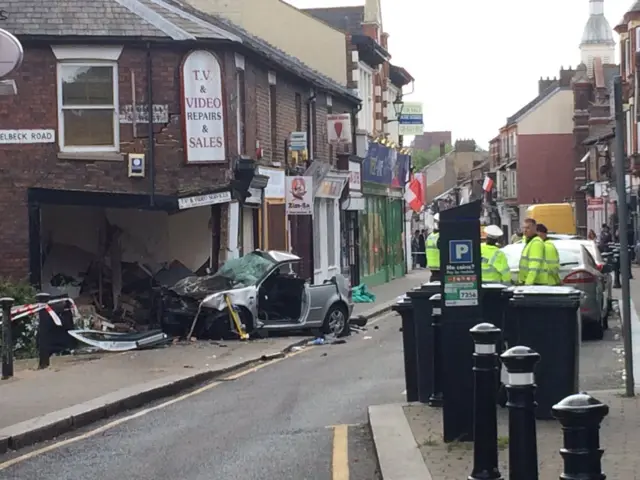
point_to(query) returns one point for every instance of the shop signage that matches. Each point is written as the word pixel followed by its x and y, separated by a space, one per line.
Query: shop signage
pixel 27 136
pixel 275 189
pixel 385 166
pixel 255 197
pixel 332 186
pixel 203 108
pixel 299 195
pixel 204 200
pixel 339 127
pixel 355 181
pixel 595 204
pixel 411 121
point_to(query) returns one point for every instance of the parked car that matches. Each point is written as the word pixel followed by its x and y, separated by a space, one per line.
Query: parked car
pixel 579 269
pixel 266 292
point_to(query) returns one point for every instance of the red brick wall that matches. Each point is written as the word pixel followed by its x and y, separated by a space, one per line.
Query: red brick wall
pixel 545 168
pixel 35 106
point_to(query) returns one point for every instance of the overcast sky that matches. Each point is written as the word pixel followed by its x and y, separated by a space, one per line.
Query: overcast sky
pixel 477 62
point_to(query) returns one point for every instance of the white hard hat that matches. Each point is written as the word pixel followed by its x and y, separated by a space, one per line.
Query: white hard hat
pixel 436 217
pixel 493 231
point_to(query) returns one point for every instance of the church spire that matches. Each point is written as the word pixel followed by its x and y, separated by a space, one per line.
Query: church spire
pixel 597 38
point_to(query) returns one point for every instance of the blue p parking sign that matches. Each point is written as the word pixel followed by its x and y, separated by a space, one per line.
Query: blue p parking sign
pixel 460 251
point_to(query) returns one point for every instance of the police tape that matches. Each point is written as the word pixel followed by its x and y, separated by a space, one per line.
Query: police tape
pixel 22 311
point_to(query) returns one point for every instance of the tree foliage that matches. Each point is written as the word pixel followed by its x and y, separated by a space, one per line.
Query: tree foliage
pixel 422 158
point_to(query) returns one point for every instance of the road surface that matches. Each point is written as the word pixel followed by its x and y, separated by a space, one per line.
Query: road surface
pixel 300 418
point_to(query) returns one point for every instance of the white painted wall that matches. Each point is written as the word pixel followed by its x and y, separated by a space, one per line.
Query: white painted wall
pixel 149 237
pixel 552 115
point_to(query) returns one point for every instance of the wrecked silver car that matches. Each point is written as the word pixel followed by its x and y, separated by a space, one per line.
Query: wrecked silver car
pixel 267 294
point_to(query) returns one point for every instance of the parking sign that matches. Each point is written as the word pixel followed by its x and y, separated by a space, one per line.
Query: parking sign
pixel 460 251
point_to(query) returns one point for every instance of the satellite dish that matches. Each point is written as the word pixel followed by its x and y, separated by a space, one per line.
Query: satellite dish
pixel 11 53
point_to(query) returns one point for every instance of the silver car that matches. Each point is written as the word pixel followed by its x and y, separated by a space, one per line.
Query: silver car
pixel 264 289
pixel 579 269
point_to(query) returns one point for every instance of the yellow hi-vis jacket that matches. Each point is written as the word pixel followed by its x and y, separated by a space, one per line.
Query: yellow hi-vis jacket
pixel 495 267
pixel 532 264
pixel 432 251
pixel 552 262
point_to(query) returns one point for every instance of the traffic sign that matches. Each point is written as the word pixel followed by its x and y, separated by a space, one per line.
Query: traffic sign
pixel 460 251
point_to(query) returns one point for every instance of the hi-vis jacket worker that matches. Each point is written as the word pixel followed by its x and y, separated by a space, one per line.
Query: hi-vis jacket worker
pixel 495 268
pixel 533 270
pixel 551 257
pixel 432 249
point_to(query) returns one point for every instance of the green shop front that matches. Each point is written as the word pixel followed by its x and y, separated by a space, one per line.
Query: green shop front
pixel 381 249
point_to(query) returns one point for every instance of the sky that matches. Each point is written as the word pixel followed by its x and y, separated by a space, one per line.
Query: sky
pixel 478 62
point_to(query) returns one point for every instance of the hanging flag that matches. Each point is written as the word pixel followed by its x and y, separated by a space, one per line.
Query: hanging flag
pixel 487 185
pixel 413 195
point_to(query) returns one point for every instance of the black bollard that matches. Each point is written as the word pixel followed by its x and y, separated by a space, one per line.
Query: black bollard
pixel 580 416
pixel 44 330
pixel 485 421
pixel 616 269
pixel 523 447
pixel 7 341
pixel 436 399
pixel 404 307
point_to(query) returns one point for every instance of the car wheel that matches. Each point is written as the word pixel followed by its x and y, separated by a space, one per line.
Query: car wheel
pixel 336 321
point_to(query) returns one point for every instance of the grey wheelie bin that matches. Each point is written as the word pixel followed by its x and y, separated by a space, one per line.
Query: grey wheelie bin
pixel 547 320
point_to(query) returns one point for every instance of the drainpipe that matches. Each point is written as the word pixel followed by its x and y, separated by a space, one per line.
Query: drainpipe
pixel 151 146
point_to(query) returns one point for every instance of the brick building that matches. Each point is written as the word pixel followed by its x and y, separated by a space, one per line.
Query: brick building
pixel 428 140
pixel 81 181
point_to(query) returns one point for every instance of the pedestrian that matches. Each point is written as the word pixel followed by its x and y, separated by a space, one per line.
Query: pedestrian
pixel 495 268
pixel 421 248
pixel 605 238
pixel 551 257
pixel 592 235
pixel 432 249
pixel 532 264
pixel 415 249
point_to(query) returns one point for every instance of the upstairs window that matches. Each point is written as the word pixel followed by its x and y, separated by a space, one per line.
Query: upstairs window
pixel 88 106
pixel 365 92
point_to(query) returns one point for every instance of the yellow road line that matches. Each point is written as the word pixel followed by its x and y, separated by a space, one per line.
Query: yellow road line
pixel 340 463
pixel 138 414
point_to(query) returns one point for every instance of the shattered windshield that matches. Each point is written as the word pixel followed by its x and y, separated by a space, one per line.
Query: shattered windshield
pixel 236 273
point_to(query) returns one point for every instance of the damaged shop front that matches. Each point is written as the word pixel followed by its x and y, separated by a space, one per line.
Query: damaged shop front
pixel 110 252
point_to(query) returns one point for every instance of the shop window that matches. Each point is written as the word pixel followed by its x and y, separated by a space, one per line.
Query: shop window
pixel 331 232
pixel 316 234
pixel 88 106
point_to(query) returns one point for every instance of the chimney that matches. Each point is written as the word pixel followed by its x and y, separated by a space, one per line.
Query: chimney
pixel 442 149
pixel 544 83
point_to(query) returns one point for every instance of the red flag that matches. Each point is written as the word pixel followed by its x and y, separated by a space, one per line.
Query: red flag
pixel 413 195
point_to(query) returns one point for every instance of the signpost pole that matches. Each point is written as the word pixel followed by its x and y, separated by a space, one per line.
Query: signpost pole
pixel 623 216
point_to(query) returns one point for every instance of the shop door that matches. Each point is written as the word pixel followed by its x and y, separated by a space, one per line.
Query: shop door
pixel 394 226
pixel 276 222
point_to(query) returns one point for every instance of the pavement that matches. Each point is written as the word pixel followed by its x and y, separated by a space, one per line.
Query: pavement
pixel 77 390
pixel 401 430
pixel 303 417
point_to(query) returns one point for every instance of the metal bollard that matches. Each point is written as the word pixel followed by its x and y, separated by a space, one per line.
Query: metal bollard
pixel 523 448
pixel 616 269
pixel 44 328
pixel 485 421
pixel 580 416
pixel 437 398
pixel 7 340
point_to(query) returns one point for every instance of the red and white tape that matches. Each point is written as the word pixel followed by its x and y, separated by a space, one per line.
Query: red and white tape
pixel 21 311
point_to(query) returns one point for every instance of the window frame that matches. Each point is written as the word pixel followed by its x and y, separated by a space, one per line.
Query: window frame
pixel 61 107
pixel 366 94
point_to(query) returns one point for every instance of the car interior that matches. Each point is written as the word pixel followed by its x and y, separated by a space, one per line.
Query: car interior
pixel 281 295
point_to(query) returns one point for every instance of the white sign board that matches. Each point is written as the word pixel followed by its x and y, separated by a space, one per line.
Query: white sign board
pixel 275 189
pixel 203 108
pixel 298 141
pixel 339 127
pixel 355 176
pixel 204 200
pixel 299 195
pixel 11 53
pixel 27 136
pixel 411 121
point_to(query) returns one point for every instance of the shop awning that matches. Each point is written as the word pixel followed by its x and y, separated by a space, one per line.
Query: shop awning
pixel 332 185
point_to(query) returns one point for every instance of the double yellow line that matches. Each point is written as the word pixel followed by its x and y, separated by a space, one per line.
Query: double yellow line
pixel 340 460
